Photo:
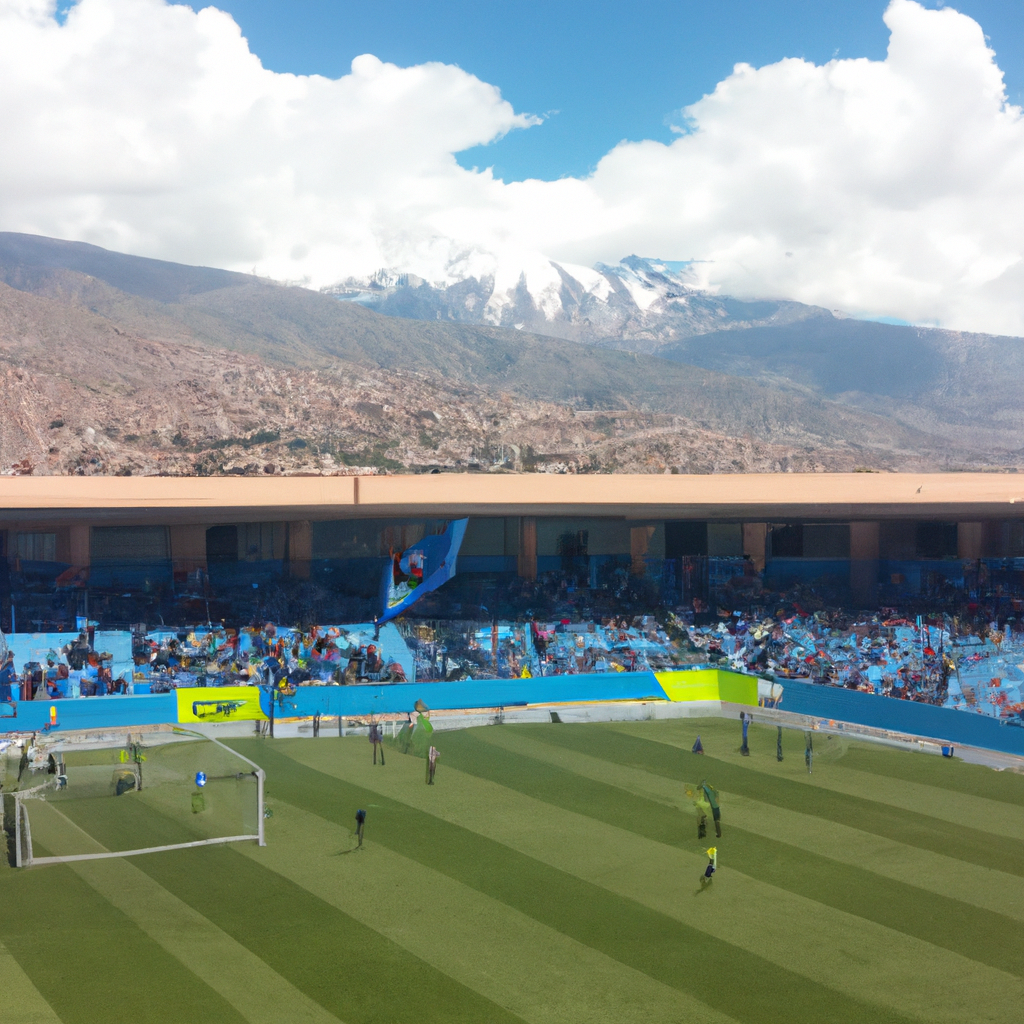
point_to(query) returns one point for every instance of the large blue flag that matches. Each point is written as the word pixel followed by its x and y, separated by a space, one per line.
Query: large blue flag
pixel 421 568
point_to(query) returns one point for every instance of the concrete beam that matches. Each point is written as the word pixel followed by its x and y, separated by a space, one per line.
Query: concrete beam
pixel 970 540
pixel 188 547
pixel 639 542
pixel 755 544
pixel 527 558
pixel 80 544
pixel 300 547
pixel 864 555
pixel 767 497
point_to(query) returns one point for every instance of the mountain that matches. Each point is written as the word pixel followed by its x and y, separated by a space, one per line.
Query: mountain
pixel 29 261
pixel 649 302
pixel 950 384
pixel 111 363
pixel 958 386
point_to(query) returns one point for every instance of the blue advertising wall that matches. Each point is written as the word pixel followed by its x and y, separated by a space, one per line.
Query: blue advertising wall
pixel 962 727
pixel 393 698
pixel 401 697
pixel 92 713
pixel 956 727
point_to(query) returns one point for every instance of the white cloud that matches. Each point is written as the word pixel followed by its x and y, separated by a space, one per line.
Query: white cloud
pixel 885 187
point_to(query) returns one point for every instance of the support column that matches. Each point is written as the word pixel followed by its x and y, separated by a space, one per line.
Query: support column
pixel 300 547
pixel 755 543
pixel 639 542
pixel 80 545
pixel 527 558
pixel 970 540
pixel 188 547
pixel 864 553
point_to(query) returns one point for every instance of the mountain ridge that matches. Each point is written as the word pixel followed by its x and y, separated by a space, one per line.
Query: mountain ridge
pixel 337 382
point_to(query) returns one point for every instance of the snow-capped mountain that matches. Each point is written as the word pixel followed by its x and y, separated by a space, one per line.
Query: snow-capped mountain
pixel 647 302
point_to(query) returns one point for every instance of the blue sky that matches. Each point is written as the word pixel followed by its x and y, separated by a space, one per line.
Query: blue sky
pixel 886 184
pixel 612 70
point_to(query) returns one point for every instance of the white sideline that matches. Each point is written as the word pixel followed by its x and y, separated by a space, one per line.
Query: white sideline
pixel 33 861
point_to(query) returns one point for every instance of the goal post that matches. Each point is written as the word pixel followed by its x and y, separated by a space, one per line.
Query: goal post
pixel 190 792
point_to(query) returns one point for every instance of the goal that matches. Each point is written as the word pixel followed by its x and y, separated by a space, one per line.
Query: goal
pixel 189 791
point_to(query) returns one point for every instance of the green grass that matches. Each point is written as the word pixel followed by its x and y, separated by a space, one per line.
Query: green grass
pixel 550 876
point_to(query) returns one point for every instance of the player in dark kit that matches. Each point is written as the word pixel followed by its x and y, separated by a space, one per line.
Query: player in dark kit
pixel 377 739
pixel 745 720
pixel 716 813
pixel 360 821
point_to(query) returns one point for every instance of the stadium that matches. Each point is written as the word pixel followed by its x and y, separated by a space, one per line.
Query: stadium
pixel 660 827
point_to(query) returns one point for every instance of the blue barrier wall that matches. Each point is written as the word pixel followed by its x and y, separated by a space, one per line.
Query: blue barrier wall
pixel 962 727
pixel 958 727
pixel 93 713
pixel 401 697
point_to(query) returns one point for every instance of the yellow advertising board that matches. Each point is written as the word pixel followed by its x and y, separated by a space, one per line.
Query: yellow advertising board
pixel 709 684
pixel 737 688
pixel 219 704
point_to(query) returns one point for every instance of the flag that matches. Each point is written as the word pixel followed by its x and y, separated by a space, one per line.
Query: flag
pixel 419 569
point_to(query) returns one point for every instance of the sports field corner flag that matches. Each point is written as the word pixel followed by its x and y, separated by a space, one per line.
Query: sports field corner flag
pixel 419 569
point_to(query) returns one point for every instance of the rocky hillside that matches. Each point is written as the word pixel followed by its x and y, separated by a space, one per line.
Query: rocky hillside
pixel 111 367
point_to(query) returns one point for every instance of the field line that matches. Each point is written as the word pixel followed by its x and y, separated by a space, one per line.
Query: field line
pixel 994 816
pixel 786 786
pixel 540 974
pixel 985 888
pixel 22 1002
pixel 865 960
pixel 255 990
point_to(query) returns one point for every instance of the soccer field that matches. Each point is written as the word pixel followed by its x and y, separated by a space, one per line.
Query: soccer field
pixel 551 875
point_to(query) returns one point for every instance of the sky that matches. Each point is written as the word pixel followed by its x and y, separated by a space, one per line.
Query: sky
pixel 864 156
pixel 599 71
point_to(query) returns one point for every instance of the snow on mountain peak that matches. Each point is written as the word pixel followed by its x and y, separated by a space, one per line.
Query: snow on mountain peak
pixel 650 300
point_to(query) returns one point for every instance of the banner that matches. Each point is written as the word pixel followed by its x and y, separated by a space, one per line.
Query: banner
pixel 219 704
pixel 421 568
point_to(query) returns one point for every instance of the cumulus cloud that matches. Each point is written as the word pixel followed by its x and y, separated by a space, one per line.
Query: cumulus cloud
pixel 152 128
pixel 881 187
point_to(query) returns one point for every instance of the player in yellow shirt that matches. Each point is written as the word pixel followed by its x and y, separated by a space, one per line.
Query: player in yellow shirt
pixel 712 867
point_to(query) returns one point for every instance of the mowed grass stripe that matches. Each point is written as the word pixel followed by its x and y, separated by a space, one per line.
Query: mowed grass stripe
pixel 91 963
pixel 978 935
pixel 539 973
pixel 866 961
pixel 22 1001
pixel 931 798
pixel 869 964
pixel 350 969
pixel 657 945
pixel 259 993
pixel 972 779
pixel 659 752
pixel 980 887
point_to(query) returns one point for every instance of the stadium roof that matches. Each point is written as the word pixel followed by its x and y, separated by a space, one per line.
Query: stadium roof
pixel 728 497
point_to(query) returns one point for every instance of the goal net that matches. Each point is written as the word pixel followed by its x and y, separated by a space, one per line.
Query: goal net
pixel 90 804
